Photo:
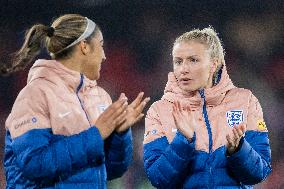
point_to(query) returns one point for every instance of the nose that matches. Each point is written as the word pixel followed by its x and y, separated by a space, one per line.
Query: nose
pixel 184 68
pixel 103 56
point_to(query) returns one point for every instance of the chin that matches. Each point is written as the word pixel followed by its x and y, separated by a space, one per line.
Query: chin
pixel 96 77
pixel 189 89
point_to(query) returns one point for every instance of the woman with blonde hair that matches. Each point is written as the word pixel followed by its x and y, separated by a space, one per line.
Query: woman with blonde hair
pixel 63 130
pixel 205 132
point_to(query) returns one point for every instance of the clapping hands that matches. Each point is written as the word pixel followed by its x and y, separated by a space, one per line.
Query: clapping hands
pixel 184 120
pixel 120 116
pixel 234 138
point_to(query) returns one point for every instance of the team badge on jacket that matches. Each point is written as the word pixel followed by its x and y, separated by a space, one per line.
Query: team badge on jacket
pixel 102 108
pixel 235 117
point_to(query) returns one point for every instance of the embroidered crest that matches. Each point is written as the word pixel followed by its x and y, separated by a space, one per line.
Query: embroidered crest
pixel 235 117
pixel 102 107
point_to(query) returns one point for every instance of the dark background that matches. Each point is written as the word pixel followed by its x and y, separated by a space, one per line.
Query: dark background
pixel 138 42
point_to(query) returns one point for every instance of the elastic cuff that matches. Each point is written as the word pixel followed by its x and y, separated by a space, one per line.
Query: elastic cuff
pixel 120 140
pixel 242 153
pixel 182 145
pixel 123 134
pixel 95 146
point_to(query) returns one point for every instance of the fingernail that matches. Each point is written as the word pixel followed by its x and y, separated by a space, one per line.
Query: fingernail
pixel 122 95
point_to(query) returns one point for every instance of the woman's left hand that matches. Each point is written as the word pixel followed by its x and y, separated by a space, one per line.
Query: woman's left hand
pixel 133 112
pixel 234 138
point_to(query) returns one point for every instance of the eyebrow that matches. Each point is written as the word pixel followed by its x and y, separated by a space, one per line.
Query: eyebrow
pixel 191 56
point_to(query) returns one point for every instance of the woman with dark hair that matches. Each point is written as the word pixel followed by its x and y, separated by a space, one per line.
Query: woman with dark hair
pixel 63 130
pixel 205 132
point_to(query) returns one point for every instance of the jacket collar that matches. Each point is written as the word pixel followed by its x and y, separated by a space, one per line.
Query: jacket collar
pixel 57 73
pixel 214 95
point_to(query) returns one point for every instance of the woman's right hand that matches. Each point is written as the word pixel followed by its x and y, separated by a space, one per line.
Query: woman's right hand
pixel 113 116
pixel 184 120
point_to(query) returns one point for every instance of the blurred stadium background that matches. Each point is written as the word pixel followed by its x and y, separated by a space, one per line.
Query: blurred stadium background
pixel 138 41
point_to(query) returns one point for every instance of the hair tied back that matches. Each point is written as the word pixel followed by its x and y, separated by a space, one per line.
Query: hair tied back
pixel 50 31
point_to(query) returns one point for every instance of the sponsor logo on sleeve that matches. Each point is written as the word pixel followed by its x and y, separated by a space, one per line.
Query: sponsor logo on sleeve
pixel 153 132
pixel 234 117
pixel 32 120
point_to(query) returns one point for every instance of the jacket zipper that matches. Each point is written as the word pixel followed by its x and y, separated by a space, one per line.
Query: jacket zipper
pixel 77 94
pixel 208 126
pixel 100 179
pixel 205 116
pixel 77 91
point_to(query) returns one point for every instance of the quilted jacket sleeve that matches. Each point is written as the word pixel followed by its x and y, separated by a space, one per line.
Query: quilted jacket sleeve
pixel 118 153
pixel 165 162
pixel 251 164
pixel 36 152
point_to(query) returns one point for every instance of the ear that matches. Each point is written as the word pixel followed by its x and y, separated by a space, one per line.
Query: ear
pixel 84 47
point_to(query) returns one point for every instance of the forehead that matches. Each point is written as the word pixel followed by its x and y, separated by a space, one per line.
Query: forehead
pixel 190 48
pixel 98 37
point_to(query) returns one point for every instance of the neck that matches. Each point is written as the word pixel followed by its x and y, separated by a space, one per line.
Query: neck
pixel 72 64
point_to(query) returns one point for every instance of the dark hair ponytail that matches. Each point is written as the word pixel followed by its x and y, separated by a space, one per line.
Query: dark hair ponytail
pixel 33 44
pixel 63 31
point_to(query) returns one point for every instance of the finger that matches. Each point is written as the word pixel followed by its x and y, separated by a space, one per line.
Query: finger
pixel 118 110
pixel 175 119
pixel 243 128
pixel 235 134
pixel 174 108
pixel 230 141
pixel 116 105
pixel 139 118
pixel 179 106
pixel 239 131
pixel 121 118
pixel 122 96
pixel 137 100
pixel 175 105
pixel 141 106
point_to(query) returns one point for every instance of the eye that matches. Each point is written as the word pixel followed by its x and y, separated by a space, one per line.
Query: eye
pixel 177 62
pixel 193 60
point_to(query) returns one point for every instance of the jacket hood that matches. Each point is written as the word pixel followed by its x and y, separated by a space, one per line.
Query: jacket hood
pixel 55 72
pixel 214 95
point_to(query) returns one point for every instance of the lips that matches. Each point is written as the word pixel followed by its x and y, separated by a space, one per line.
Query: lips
pixel 185 79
